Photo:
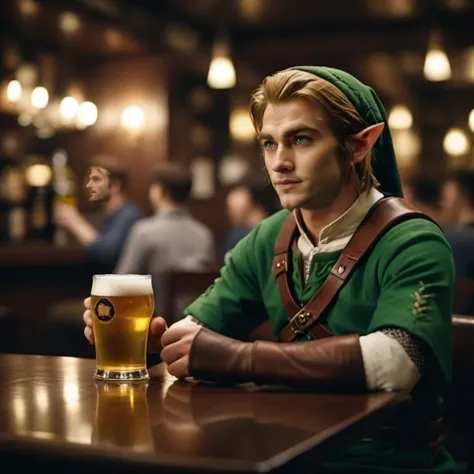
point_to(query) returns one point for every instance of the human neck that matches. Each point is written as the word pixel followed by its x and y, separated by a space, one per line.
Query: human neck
pixel 166 205
pixel 113 204
pixel 316 219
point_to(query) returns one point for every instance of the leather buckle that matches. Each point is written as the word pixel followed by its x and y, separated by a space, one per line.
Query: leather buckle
pixel 298 323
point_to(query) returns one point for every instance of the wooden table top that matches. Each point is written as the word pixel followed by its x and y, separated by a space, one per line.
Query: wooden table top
pixel 52 406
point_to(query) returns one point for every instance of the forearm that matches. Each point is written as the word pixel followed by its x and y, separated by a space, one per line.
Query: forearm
pixel 390 359
pixel 84 231
pixel 334 362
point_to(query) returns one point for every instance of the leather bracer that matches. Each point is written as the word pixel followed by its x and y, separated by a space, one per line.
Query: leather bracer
pixel 334 362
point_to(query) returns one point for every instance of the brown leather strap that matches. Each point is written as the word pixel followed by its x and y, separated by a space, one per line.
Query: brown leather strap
pixel 382 216
pixel 280 264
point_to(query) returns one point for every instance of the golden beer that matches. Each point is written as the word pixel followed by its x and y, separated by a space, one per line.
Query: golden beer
pixel 121 307
pixel 121 417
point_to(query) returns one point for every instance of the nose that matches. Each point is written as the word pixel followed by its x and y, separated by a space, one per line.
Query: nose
pixel 283 160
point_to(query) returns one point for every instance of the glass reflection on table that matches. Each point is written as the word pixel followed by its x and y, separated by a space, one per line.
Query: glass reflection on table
pixel 121 417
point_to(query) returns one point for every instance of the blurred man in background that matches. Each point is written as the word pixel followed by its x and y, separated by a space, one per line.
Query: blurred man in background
pixel 249 202
pixel 458 215
pixel 425 195
pixel 106 188
pixel 171 240
pixel 457 200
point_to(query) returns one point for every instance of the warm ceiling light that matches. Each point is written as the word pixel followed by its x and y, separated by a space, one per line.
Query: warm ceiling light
pixel 132 118
pixel 456 142
pixel 471 120
pixel 221 71
pixel 240 125
pixel 14 91
pixel 437 66
pixel 38 175
pixel 28 7
pixel 400 118
pixel 87 114
pixel 68 108
pixel 39 97
pixel 69 22
pixel 407 145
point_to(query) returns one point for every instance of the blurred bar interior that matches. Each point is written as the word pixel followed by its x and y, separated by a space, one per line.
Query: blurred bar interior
pixel 169 80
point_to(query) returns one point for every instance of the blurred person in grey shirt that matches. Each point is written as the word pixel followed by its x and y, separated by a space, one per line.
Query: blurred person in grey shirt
pixel 171 240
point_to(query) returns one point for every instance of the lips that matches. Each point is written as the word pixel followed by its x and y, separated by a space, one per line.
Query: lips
pixel 287 183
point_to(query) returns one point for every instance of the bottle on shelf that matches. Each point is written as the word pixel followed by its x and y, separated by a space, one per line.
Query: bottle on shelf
pixel 64 187
pixel 13 195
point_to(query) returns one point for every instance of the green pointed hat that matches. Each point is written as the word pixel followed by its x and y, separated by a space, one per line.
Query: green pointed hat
pixel 370 107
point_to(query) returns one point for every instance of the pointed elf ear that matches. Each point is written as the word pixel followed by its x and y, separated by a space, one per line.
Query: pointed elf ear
pixel 365 140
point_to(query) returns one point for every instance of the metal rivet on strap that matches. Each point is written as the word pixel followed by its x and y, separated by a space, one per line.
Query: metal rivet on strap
pixel 278 265
pixel 298 322
pixel 341 269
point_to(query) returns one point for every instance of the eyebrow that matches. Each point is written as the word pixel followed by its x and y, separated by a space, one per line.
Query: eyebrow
pixel 290 133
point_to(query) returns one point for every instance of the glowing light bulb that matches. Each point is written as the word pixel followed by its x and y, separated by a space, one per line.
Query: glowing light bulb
pixel 39 97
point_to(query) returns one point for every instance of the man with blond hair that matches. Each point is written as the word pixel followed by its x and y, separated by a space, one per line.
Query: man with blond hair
pixel 354 285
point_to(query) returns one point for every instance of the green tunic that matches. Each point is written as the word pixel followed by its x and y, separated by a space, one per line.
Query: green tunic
pixel 406 282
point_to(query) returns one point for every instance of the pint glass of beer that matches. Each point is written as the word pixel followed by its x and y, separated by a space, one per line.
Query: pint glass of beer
pixel 122 307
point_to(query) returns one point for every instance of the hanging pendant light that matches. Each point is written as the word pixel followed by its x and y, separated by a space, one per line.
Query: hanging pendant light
pixel 437 66
pixel 221 70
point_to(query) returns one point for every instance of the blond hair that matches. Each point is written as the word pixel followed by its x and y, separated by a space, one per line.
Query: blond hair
pixel 343 117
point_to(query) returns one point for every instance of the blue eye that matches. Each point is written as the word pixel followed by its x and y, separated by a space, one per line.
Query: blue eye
pixel 269 145
pixel 302 140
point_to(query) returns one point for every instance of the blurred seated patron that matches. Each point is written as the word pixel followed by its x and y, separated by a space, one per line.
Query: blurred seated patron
pixel 458 198
pixel 425 195
pixel 171 240
pixel 249 202
pixel 106 188
pixel 458 213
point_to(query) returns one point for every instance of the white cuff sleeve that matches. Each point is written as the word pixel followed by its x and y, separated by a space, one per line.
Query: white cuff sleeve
pixel 387 366
pixel 187 320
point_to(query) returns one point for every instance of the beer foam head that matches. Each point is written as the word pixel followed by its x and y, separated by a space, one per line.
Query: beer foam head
pixel 121 285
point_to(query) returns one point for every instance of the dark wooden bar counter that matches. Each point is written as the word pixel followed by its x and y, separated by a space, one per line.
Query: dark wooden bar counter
pixel 35 273
pixel 39 253
pixel 54 415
